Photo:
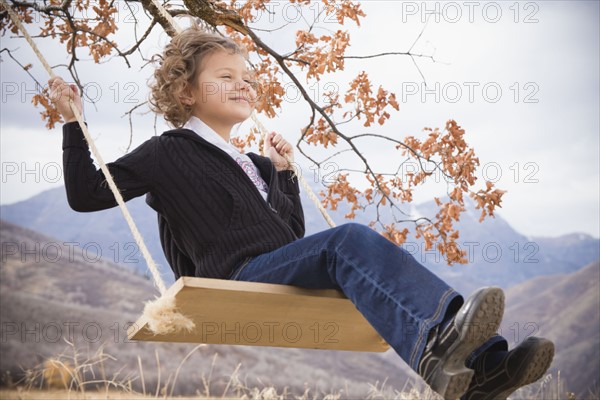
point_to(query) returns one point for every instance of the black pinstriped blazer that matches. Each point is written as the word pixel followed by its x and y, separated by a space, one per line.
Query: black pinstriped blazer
pixel 210 214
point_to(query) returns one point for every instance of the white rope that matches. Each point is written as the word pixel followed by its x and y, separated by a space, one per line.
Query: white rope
pixel 172 321
pixel 136 233
pixel 297 174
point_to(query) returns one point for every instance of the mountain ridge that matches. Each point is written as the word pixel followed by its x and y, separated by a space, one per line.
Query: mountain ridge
pixel 564 309
pixel 498 254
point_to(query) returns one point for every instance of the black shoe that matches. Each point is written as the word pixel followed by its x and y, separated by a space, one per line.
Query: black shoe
pixel 442 364
pixel 523 365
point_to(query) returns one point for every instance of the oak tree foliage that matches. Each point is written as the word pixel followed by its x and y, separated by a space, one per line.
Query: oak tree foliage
pixel 88 27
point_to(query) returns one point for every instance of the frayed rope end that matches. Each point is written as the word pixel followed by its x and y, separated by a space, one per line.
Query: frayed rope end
pixel 163 317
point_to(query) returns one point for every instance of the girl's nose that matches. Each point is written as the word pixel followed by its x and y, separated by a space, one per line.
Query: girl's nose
pixel 248 85
pixel 241 85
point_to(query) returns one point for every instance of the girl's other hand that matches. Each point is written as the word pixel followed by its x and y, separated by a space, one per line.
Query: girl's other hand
pixel 60 93
pixel 276 147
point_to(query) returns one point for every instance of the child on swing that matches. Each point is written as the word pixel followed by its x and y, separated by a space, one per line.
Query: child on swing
pixel 227 215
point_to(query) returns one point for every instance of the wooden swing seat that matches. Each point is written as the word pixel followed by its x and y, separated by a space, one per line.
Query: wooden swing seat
pixel 265 314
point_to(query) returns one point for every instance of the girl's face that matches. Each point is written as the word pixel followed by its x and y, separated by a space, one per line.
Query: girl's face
pixel 224 93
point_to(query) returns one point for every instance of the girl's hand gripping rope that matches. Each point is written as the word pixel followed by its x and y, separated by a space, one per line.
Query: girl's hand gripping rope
pixel 60 93
pixel 278 149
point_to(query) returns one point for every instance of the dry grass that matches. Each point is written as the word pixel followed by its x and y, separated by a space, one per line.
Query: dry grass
pixel 75 376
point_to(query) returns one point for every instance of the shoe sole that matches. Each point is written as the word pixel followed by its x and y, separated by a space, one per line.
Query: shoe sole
pixel 482 321
pixel 537 365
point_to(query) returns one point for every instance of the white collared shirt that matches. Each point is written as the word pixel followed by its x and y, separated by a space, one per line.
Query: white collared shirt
pixel 207 133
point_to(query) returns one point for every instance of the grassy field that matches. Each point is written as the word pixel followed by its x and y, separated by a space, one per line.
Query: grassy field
pixel 68 376
pixel 22 393
pixel 35 296
pixel 63 378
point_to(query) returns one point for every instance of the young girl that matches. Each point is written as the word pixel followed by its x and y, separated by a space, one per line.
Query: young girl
pixel 227 215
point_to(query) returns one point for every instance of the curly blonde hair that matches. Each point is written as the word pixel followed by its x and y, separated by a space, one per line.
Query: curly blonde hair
pixel 179 66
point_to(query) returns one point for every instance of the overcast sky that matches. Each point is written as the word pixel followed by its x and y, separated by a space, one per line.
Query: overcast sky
pixel 520 77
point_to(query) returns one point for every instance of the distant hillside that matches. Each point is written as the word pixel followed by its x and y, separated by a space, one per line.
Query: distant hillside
pixel 498 254
pixel 51 294
pixel 104 233
pixel 566 309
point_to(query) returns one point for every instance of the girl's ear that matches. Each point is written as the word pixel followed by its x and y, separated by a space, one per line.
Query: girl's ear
pixel 186 97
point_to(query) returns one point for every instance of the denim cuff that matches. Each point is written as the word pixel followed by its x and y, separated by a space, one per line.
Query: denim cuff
pixel 418 348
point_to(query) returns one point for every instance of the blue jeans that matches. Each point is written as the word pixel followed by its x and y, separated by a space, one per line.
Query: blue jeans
pixel 399 297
